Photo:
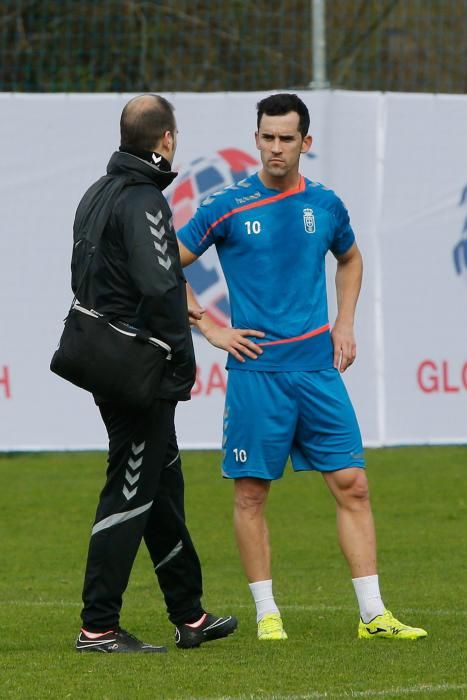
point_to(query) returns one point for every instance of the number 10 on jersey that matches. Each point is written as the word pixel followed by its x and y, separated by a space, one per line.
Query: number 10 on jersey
pixel 253 227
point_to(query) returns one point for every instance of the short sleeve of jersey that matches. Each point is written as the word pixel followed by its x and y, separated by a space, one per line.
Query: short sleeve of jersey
pixel 206 227
pixel 344 236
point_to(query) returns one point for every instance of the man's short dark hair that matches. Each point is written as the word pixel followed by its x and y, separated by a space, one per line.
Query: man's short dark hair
pixel 284 103
pixel 144 122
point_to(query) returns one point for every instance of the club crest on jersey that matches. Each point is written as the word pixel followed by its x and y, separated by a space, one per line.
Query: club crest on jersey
pixel 309 221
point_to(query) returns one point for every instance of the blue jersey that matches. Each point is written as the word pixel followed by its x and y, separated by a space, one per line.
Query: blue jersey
pixel 272 247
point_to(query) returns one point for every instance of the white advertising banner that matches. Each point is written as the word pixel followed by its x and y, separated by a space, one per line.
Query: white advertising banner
pixel 397 161
pixel 423 243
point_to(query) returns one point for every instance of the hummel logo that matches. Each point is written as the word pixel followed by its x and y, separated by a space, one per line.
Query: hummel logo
pixel 135 463
pixel 161 248
pixel 127 493
pixel 156 159
pixel 137 448
pixel 378 629
pixel 132 477
pixel 154 219
pixel 165 262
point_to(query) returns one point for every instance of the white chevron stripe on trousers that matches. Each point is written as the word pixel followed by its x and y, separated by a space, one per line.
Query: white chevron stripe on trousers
pixel 120 518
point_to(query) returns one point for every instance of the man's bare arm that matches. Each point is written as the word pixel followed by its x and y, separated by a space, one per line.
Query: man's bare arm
pixel 233 340
pixel 348 283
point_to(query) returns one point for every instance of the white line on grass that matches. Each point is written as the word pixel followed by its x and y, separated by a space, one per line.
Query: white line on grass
pixel 310 608
pixel 414 690
pixel 40 603
pixel 348 608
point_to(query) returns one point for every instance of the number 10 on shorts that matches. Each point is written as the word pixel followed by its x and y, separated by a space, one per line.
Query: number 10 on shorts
pixel 240 455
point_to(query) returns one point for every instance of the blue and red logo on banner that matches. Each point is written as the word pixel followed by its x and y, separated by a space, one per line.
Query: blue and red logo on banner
pixel 460 250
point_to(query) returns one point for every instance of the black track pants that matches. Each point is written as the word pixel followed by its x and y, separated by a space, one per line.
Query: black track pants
pixel 142 497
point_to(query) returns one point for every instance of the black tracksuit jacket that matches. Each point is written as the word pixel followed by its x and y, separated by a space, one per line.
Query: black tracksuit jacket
pixel 135 274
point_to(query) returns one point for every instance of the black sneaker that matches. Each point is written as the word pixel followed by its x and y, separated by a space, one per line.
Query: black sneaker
pixel 119 642
pixel 208 628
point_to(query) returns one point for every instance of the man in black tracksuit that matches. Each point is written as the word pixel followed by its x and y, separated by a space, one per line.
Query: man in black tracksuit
pixel 135 275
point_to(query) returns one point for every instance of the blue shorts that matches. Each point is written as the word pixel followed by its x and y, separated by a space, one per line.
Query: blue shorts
pixel 271 415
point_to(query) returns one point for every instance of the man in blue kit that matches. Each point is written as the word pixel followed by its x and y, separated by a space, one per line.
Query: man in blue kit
pixel 285 395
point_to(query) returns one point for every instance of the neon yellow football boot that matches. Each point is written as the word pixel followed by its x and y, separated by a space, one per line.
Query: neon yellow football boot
pixel 386 626
pixel 270 628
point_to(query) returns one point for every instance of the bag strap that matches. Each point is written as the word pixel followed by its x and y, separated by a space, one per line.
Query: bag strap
pixel 97 235
pixel 83 277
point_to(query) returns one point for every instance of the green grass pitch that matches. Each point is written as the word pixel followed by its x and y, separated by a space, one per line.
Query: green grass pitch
pixel 47 506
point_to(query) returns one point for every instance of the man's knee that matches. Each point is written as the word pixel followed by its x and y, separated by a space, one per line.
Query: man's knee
pixel 250 494
pixel 359 486
pixel 350 488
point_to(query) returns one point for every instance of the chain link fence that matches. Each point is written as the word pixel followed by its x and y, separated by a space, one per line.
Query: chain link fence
pixel 181 45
